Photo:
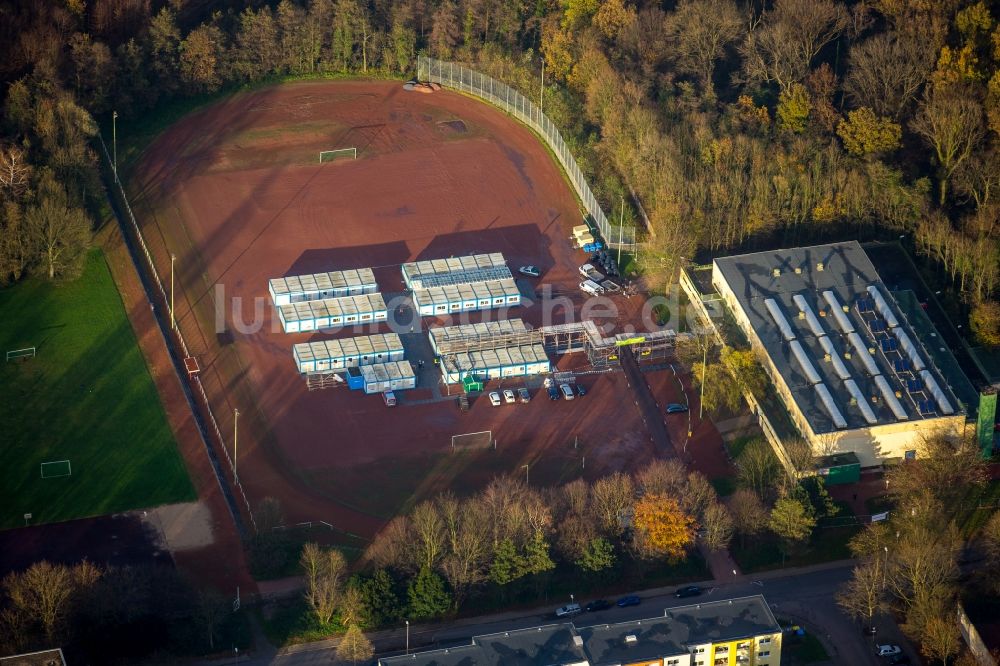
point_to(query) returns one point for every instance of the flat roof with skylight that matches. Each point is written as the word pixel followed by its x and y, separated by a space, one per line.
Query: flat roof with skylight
pixel 835 335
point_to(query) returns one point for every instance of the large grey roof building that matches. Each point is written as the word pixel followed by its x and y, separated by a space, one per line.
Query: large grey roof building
pixel 849 367
pixel 738 630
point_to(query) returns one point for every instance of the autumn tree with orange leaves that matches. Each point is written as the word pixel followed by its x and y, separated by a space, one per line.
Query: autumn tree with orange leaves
pixel 662 528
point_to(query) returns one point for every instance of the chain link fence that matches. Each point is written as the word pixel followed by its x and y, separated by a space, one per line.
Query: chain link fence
pixel 463 79
pixel 178 338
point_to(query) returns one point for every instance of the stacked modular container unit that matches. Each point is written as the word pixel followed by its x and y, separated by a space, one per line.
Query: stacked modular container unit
pixel 392 376
pixel 450 339
pixel 438 272
pixel 330 355
pixel 332 312
pixel 466 297
pixel 496 363
pixel 319 286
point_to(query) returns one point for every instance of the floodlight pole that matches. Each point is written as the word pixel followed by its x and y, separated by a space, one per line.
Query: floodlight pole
pixel 407 637
pixel 173 321
pixel 114 140
pixel 621 232
pixel 704 377
pixel 541 90
pixel 236 422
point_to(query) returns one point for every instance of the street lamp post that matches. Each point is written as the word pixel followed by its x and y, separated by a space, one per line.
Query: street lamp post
pixel 114 140
pixel 236 423
pixel 407 637
pixel 704 376
pixel 541 89
pixel 173 321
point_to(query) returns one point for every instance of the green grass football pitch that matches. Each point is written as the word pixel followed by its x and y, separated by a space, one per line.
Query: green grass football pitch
pixel 86 397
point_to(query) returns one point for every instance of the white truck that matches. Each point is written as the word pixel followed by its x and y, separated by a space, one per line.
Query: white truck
pixel 589 272
pixel 591 287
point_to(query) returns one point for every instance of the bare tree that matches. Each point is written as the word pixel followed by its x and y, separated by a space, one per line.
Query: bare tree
pixel 945 467
pixel 60 231
pixel 922 571
pixel 699 31
pixel 939 638
pixel 354 646
pixel 990 542
pixel 15 172
pixel 757 466
pixel 42 592
pixel 862 596
pixel 612 498
pixel 718 525
pixel 428 529
pixel 781 49
pixel 468 549
pixel 663 477
pixel 749 513
pixel 699 494
pixel 391 546
pixel 950 122
pixel 886 73
pixel 324 571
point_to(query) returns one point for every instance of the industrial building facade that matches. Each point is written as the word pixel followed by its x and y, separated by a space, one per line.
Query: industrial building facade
pixel 848 366
pixel 729 632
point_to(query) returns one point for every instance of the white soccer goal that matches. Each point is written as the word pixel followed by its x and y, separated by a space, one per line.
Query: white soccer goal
pixel 56 469
pixel 339 153
pixel 27 352
pixel 472 440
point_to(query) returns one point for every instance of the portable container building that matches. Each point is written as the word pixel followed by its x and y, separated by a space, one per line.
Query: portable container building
pixel 392 376
pixel 319 286
pixel 496 363
pixel 454 270
pixel 461 337
pixel 467 297
pixel 332 312
pixel 327 355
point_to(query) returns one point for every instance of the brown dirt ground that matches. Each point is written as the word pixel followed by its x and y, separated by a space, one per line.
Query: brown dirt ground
pixel 236 192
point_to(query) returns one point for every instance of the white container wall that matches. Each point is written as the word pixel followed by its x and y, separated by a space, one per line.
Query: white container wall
pixel 394 376
pixel 497 363
pixel 319 286
pixel 325 355
pixel 332 312
pixel 463 298
pixel 455 270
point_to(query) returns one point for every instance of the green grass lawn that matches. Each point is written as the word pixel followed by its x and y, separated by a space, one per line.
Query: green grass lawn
pixel 86 397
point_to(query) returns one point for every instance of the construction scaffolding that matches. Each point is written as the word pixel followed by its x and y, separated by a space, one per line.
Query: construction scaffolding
pixel 464 338
pixel 652 347
pixel 321 380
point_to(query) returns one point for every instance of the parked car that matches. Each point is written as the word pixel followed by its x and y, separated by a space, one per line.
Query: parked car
pixel 610 286
pixel 581 390
pixel 888 650
pixel 598 605
pixel 508 397
pixel 390 398
pixel 495 398
pixel 898 660
pixel 530 271
pixel 590 272
pixel 523 395
pixel 676 408
pixel 568 610
pixel 630 600
pixel 689 591
pixel 567 391
pixel 553 392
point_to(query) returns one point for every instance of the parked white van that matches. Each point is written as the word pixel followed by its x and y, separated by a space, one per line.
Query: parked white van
pixel 591 287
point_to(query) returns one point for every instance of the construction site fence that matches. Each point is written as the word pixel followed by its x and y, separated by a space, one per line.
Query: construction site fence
pixel 459 77
pixel 135 231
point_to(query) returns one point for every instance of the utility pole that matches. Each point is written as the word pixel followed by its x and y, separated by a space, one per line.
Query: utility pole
pixel 541 90
pixel 704 377
pixel 236 422
pixel 114 140
pixel 173 320
pixel 407 637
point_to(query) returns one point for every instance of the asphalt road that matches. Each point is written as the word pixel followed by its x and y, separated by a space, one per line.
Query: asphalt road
pixel 806 598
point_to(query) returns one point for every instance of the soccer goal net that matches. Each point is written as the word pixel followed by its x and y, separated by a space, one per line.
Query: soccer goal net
pixel 338 154
pixel 55 469
pixel 14 354
pixel 472 440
